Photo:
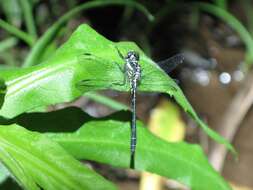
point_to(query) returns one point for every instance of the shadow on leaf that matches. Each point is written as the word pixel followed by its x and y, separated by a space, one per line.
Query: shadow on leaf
pixel 2 92
pixel 64 120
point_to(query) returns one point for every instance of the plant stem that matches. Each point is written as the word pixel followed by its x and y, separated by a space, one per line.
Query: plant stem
pixel 52 32
pixel 221 4
pixel 29 21
pixel 7 43
pixel 234 23
pixel 15 31
pixel 247 7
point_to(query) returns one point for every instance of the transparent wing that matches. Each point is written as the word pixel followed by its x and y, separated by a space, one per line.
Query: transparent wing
pixel 171 63
pixel 99 73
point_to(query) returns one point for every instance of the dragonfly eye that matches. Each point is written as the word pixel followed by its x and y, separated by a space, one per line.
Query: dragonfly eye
pixel 133 55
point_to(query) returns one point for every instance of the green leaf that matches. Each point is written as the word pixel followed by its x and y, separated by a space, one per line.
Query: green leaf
pixel 7 44
pixel 37 162
pixel 86 62
pixel 17 32
pixel 28 17
pixel 221 4
pixel 12 11
pixel 108 141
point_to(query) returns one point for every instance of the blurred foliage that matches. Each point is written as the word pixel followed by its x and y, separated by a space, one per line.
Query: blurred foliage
pixel 20 22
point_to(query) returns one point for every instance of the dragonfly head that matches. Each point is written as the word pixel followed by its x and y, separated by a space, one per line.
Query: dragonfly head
pixel 133 56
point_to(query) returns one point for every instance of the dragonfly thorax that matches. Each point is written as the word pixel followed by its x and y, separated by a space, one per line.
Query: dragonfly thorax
pixel 133 69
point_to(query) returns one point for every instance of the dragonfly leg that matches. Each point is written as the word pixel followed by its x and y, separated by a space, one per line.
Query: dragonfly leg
pixel 89 56
pixel 96 83
pixel 120 54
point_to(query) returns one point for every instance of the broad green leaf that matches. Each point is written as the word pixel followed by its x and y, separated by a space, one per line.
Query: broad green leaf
pixel 86 62
pixel 107 141
pixel 37 162
pixel 21 177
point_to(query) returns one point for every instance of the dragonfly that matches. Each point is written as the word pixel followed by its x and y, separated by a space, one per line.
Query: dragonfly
pixel 132 70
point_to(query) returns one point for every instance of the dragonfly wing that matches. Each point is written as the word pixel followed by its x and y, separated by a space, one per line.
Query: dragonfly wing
pixel 171 63
pixel 99 73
